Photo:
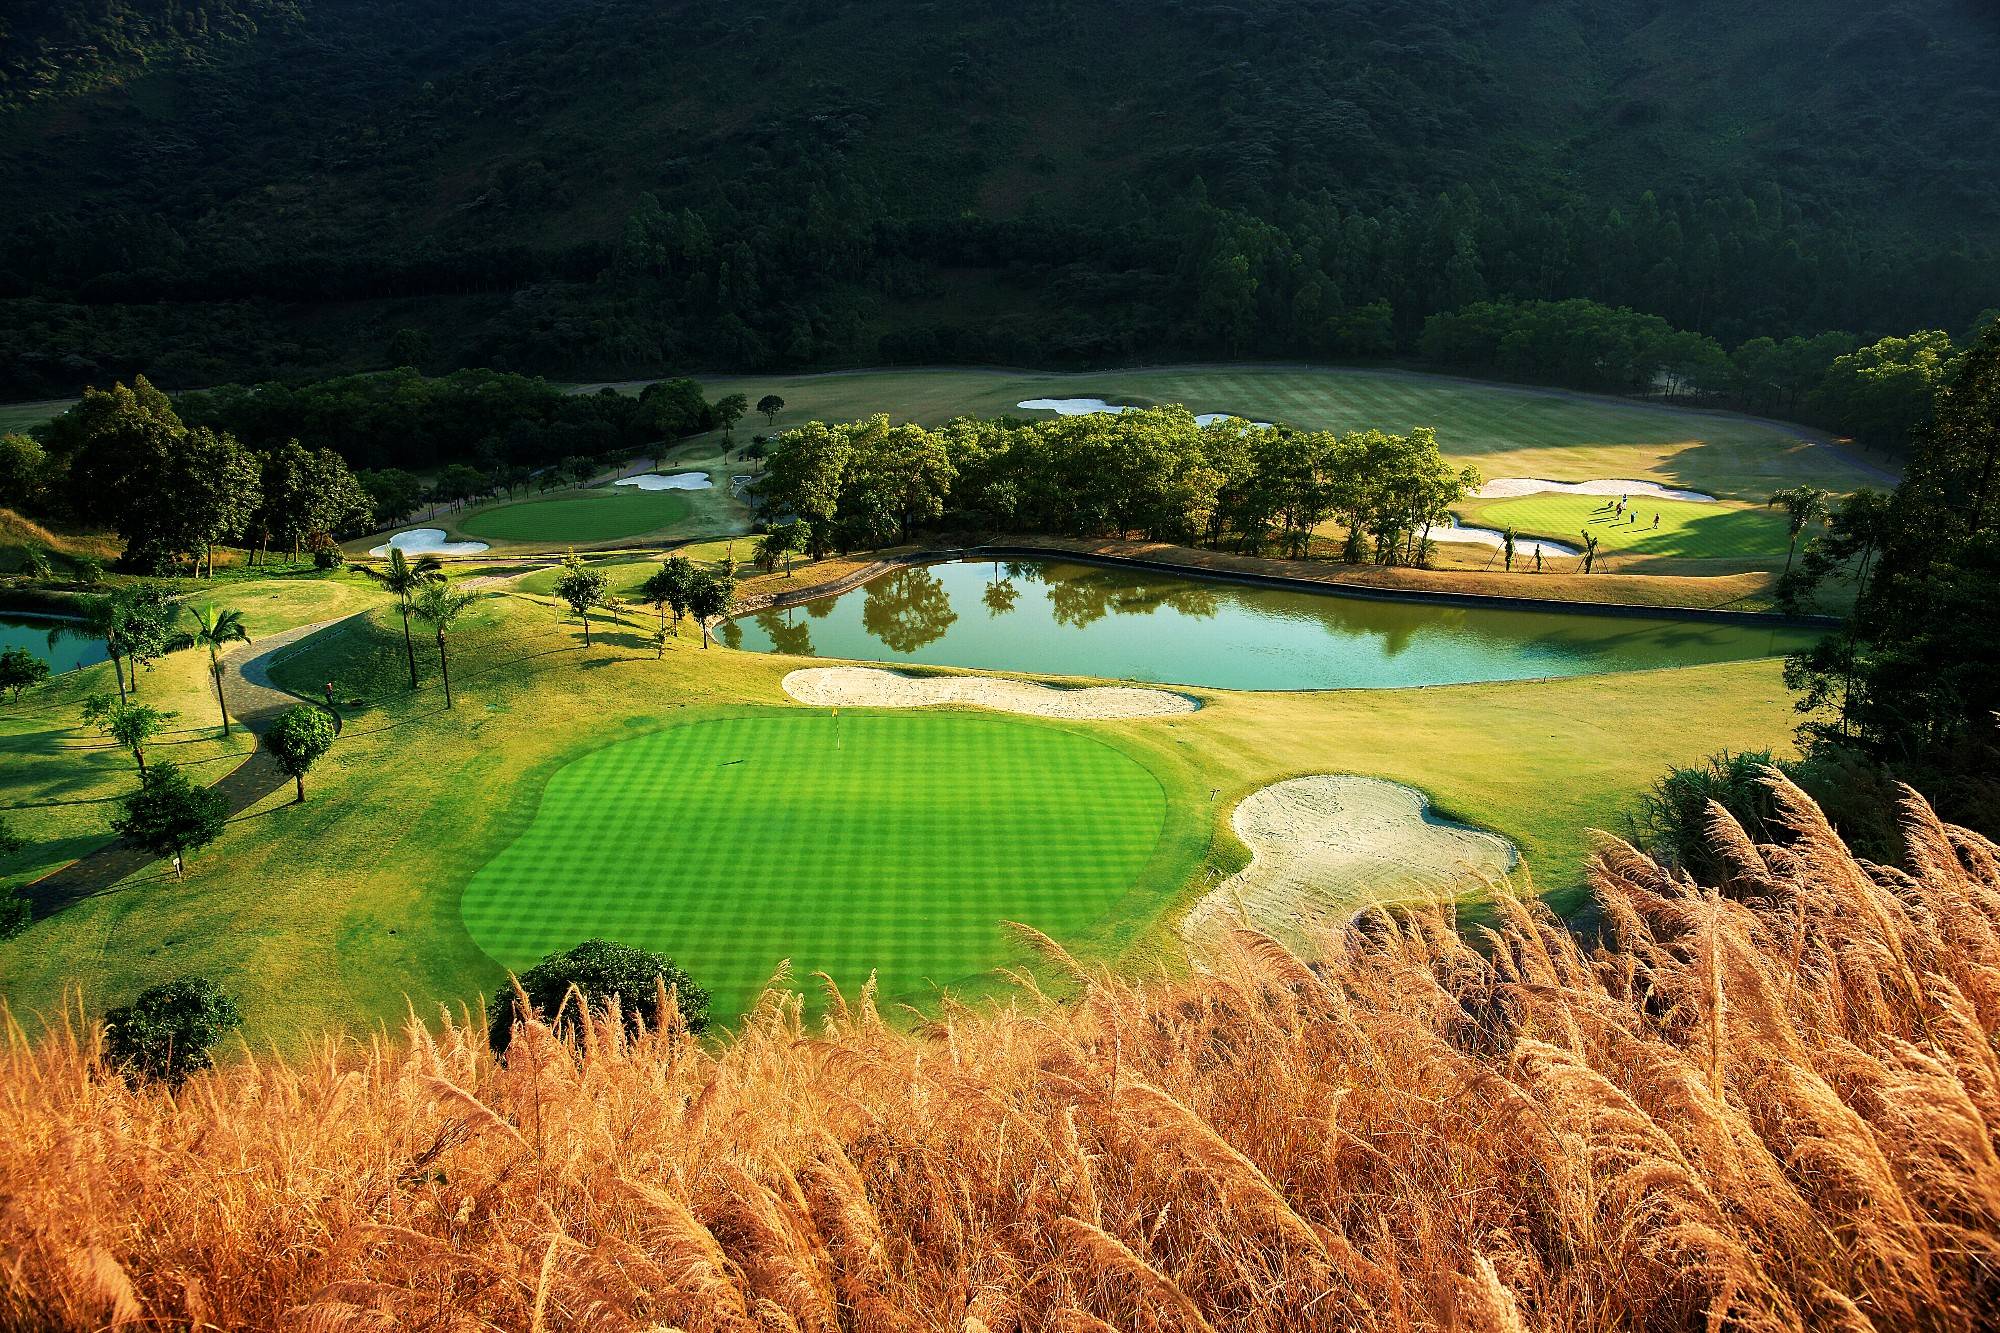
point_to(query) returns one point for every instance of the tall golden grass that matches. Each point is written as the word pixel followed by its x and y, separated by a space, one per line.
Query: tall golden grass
pixel 1766 1104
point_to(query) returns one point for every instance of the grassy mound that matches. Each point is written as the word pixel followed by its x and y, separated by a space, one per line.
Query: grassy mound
pixel 1688 529
pixel 895 843
pixel 604 514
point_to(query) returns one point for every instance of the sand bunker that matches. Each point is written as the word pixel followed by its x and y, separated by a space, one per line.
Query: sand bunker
pixel 1500 487
pixel 1084 407
pixel 1523 546
pixel 1323 847
pixel 427 541
pixel 871 687
pixel 679 481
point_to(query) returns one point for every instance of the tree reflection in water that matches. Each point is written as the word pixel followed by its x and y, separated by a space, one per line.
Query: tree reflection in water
pixel 788 633
pixel 907 610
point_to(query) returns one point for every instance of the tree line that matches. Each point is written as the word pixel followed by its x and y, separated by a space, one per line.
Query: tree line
pixel 1154 473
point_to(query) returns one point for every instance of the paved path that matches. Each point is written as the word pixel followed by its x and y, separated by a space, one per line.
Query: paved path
pixel 255 702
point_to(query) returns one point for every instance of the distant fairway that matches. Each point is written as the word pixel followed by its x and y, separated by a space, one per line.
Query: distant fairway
pixel 604 514
pixel 1687 529
pixel 1503 430
pixel 894 842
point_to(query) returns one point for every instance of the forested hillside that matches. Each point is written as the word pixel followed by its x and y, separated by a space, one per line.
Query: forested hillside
pixel 599 187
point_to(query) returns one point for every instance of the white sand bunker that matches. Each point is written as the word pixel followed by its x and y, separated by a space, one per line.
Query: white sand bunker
pixel 1086 407
pixel 679 481
pixel 1210 418
pixel 1523 546
pixel 1325 846
pixel 871 687
pixel 1651 490
pixel 427 541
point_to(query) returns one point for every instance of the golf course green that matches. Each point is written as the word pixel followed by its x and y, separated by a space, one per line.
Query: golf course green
pixel 1688 529
pixel 604 514
pixel 891 843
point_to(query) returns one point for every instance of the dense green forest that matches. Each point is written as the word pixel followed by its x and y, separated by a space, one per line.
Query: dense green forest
pixel 226 190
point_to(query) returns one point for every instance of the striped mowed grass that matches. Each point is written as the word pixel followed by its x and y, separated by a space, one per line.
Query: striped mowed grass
pixel 848 843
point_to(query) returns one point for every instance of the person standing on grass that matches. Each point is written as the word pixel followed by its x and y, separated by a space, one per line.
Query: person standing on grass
pixel 331 707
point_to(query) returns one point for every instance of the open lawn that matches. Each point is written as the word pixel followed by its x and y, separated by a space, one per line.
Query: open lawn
pixel 603 515
pixel 1687 529
pixel 1503 430
pixel 600 514
pixel 888 842
pixel 341 910
pixel 19 418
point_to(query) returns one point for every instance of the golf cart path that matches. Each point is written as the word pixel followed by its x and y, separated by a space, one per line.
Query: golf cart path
pixel 256 703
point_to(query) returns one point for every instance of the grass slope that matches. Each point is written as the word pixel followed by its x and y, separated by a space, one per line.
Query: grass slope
pixel 1688 529
pixel 601 514
pixel 888 842
pixel 335 913
pixel 1503 430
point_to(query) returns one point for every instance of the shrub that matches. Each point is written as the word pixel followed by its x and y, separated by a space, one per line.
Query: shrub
pixel 601 970
pixel 326 552
pixel 170 1030
pixel 1672 819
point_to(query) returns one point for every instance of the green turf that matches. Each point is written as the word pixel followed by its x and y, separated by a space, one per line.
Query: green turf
pixel 1503 430
pixel 894 842
pixel 603 514
pixel 1688 529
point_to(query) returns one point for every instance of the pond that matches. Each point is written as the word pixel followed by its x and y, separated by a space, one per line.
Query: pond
pixel 1060 618
pixel 32 632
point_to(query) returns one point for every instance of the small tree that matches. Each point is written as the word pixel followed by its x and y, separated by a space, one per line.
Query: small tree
pixel 19 669
pixel 1589 551
pixel 130 724
pixel 170 1031
pixel 602 972
pixel 667 589
pixel 16 912
pixel 299 739
pixel 709 596
pixel 171 816
pixel 770 405
pixel 1507 544
pixel 441 605
pixel 1803 506
pixel 405 578
pixel 729 410
pixel 213 627
pixel 580 589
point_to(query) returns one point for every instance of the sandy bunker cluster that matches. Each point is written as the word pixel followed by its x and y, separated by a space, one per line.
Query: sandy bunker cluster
pixel 1323 846
pixel 872 687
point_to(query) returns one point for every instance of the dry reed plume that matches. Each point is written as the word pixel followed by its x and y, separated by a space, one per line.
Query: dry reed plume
pixel 1767 1104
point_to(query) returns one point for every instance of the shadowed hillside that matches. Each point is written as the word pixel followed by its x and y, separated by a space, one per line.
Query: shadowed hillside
pixel 594 187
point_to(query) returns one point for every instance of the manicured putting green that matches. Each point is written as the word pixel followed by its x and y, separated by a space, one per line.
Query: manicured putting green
pixel 891 842
pixel 601 515
pixel 1688 529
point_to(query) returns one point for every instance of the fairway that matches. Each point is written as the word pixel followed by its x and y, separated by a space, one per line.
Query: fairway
pixel 888 842
pixel 1504 430
pixel 1688 529
pixel 601 515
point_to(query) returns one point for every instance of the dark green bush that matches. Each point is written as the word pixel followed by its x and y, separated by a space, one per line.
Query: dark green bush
pixel 170 1031
pixel 600 969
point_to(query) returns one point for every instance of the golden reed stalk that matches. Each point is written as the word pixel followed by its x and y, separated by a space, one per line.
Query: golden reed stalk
pixel 1766 1104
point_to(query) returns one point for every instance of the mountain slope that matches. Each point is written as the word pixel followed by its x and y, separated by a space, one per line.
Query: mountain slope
pixel 594 186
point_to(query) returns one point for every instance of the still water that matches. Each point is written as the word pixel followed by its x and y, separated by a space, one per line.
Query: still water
pixel 65 654
pixel 1068 619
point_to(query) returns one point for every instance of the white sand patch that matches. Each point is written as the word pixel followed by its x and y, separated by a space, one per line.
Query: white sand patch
pixel 1210 418
pixel 427 541
pixel 871 687
pixel 1072 407
pixel 1086 407
pixel 679 481
pixel 1323 847
pixel 1501 487
pixel 1523 546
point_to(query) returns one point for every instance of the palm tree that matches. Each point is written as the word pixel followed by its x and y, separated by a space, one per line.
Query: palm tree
pixel 213 627
pixel 1803 505
pixel 405 578
pixel 441 605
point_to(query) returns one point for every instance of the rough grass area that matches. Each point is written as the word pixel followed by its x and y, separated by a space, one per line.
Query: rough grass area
pixel 863 842
pixel 1503 430
pixel 1688 529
